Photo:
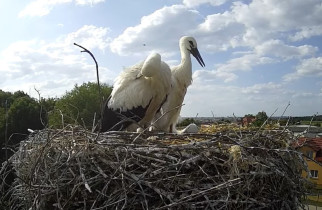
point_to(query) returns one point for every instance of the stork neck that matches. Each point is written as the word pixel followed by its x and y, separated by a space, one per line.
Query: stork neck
pixel 185 60
pixel 184 69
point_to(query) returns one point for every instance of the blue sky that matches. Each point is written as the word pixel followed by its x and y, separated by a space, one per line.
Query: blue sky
pixel 259 55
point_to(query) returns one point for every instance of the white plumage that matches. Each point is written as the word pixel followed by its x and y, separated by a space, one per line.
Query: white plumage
pixel 138 93
pixel 166 118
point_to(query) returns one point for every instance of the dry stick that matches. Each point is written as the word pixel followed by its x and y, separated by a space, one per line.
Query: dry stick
pixel 42 150
pixel 77 112
pixel 93 126
pixel 156 121
pixel 6 130
pixel 97 73
pixel 284 129
pixel 83 176
pixel 264 123
pixel 289 103
pixel 151 182
pixel 190 197
pixel 62 118
pixel 241 135
pixel 177 107
pixel 41 108
pixel 308 129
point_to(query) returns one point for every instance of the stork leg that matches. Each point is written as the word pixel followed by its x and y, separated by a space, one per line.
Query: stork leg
pixel 170 129
pixel 149 114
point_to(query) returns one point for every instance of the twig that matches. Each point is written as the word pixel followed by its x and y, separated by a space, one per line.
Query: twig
pixel 97 73
pixel 66 169
pixel 264 123
pixel 6 129
pixel 153 123
pixel 289 103
pixel 190 197
pixel 41 107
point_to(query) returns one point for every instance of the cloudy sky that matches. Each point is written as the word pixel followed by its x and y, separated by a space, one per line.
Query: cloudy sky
pixel 259 54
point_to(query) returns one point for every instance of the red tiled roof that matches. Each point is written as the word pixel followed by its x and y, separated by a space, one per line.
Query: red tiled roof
pixel 314 143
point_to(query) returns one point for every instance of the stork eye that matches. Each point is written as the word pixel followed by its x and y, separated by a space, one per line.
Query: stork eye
pixel 191 44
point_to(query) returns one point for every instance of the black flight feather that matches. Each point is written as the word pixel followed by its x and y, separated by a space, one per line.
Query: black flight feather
pixel 115 120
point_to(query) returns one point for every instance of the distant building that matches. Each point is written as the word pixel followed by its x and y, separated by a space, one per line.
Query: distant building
pixel 305 131
pixel 312 149
pixel 248 120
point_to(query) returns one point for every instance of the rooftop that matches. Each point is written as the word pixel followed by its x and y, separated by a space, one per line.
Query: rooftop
pixel 314 143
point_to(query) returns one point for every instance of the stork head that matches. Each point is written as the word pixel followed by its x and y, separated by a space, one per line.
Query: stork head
pixel 189 43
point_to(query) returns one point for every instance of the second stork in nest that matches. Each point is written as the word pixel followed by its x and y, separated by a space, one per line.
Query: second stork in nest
pixel 167 117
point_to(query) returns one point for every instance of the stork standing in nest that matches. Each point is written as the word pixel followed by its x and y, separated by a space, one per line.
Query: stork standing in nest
pixel 138 94
pixel 167 117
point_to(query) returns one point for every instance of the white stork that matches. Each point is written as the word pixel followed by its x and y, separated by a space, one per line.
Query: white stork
pixel 167 117
pixel 138 93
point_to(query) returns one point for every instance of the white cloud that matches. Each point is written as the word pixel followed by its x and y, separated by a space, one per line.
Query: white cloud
pixel 245 26
pixel 224 100
pixel 311 67
pixel 225 71
pixel 195 3
pixel 220 31
pixel 88 2
pixel 212 75
pixel 43 7
pixel 90 36
pixel 58 64
pixel 267 88
pixel 249 25
pixel 303 95
pixel 239 35
pixel 272 18
pixel 263 32
pixel 158 31
pixel 279 49
pixel 244 63
pixel 307 32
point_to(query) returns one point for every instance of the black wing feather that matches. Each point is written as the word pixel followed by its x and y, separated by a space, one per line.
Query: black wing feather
pixel 115 120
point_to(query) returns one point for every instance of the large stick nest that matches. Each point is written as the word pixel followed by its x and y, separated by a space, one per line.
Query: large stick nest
pixel 74 168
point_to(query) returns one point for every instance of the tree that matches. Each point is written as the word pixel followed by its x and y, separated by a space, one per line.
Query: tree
pixel 261 117
pixel 46 107
pixel 24 114
pixel 18 113
pixel 249 115
pixel 79 105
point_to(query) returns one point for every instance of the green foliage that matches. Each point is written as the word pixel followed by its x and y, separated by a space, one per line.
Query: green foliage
pixel 223 121
pixel 23 114
pixel 249 115
pixel 47 107
pixel 305 120
pixel 2 125
pixel 318 124
pixel 261 117
pixel 18 112
pixel 283 122
pixel 186 122
pixel 79 105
